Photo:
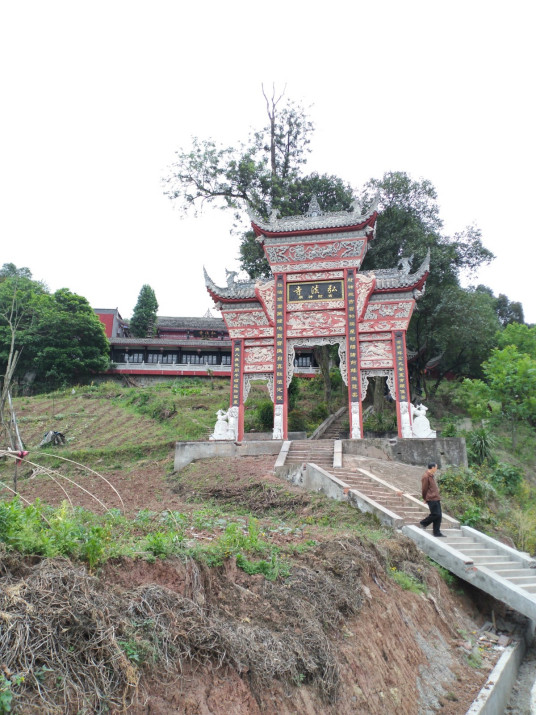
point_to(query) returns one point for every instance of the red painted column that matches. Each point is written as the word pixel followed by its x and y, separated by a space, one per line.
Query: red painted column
pixel 352 355
pixel 403 405
pixel 280 360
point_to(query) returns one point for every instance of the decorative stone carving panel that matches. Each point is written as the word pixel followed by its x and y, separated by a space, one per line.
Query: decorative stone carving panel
pixel 251 332
pixel 316 265
pixel 376 354
pixel 401 309
pixel 308 305
pixel 324 276
pixel 356 427
pixel 370 326
pixel 316 322
pixel 265 292
pixel 259 359
pixel 278 422
pixel 313 251
pixel 243 318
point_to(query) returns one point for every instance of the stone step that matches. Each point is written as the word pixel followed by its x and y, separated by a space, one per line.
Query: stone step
pixel 514 572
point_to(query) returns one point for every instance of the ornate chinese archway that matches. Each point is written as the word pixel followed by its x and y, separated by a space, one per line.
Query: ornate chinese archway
pixel 318 296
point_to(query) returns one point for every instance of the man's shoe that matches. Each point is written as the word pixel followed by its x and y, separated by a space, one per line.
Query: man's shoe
pixel 441 535
pixel 423 526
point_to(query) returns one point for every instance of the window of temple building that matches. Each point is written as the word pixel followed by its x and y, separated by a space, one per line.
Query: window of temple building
pixel 302 361
pixel 134 357
pixel 226 359
pixel 211 358
pixel 192 358
pixel 154 357
pixel 169 358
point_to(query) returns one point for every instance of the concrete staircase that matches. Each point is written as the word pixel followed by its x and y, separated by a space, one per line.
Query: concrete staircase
pixel 384 494
pixel 319 452
pixel 506 574
pixel 338 428
pixel 497 569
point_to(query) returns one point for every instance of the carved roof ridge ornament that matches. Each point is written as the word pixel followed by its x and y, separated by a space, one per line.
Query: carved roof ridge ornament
pixel 314 218
pixel 314 208
pixel 396 278
pixel 234 290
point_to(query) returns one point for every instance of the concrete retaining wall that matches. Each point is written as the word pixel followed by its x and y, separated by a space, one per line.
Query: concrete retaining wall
pixel 186 452
pixel 442 450
pixel 494 696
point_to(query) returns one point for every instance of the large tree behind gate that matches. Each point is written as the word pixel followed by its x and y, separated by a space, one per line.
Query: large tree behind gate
pixel 263 173
pixel 453 324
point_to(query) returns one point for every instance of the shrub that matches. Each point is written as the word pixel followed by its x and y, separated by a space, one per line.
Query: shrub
pixel 296 421
pixel 319 412
pixel 265 415
pixel 381 422
pixel 506 478
pixel 480 444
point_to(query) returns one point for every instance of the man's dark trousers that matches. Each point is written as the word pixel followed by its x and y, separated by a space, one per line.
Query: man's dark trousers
pixel 434 517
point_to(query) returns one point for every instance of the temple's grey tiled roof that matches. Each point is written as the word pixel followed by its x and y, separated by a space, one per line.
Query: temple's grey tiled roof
pixel 314 219
pixel 168 342
pixel 239 290
pixel 191 323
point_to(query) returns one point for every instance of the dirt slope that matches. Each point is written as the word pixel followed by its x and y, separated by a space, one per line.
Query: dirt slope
pixel 338 635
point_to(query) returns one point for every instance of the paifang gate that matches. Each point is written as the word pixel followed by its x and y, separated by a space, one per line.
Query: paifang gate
pixel 317 295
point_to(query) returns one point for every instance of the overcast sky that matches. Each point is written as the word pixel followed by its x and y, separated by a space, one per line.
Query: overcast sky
pixel 97 96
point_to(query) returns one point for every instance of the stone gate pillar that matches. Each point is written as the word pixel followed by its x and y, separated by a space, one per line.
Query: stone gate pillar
pixel 352 347
pixel 236 410
pixel 280 360
pixel 403 406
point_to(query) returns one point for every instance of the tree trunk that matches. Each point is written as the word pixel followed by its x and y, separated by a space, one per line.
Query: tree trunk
pixel 322 357
pixel 378 396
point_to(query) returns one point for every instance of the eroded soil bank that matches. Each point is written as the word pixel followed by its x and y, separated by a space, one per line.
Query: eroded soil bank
pixel 338 635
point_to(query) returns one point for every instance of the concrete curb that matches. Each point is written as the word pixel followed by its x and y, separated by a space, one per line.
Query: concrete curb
pixel 494 696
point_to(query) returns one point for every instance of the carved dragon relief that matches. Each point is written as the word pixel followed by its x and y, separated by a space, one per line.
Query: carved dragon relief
pixel 316 265
pixel 401 309
pixel 323 276
pixel 326 321
pixel 310 252
pixel 244 318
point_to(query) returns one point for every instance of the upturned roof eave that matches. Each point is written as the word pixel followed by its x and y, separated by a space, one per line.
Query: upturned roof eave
pixel 267 233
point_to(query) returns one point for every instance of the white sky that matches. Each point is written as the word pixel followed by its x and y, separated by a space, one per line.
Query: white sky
pixel 97 96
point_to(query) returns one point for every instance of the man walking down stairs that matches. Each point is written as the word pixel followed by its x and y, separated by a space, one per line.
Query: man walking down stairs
pixel 430 494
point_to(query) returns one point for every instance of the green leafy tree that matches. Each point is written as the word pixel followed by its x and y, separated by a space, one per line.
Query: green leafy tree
pixel 68 339
pixel 464 327
pixel 56 337
pixel 521 336
pixel 409 224
pixel 509 311
pixel 143 322
pixel 263 173
pixel 511 377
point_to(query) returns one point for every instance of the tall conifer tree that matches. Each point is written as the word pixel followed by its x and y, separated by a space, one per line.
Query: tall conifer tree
pixel 143 323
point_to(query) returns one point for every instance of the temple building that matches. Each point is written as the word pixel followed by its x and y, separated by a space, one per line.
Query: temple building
pixel 317 295
pixel 179 347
